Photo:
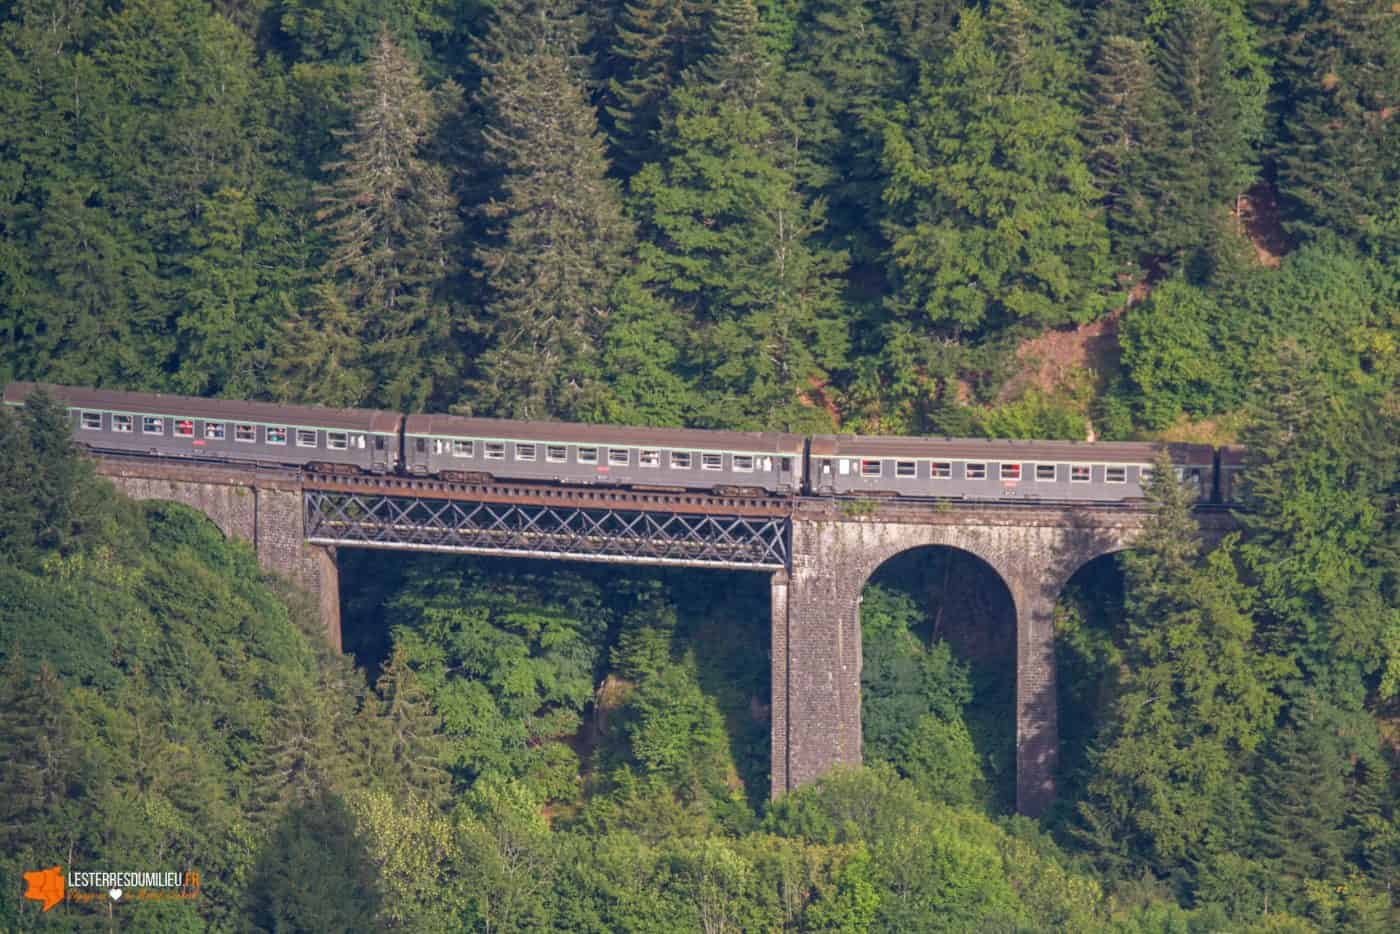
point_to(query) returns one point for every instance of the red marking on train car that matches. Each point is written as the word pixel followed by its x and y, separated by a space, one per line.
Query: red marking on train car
pixel 199 444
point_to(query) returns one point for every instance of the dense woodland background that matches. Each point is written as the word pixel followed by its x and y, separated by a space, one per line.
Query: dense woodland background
pixel 1020 218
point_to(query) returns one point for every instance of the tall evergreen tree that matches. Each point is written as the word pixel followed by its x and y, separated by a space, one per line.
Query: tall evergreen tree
pixel 391 218
pixel 1336 148
pixel 1195 701
pixel 1212 118
pixel 992 210
pixel 839 80
pixel 413 759
pixel 654 42
pixel 1123 130
pixel 731 238
pixel 1301 797
pixel 560 238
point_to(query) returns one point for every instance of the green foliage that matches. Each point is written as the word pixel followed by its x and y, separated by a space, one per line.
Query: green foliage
pixel 993 208
pixel 559 238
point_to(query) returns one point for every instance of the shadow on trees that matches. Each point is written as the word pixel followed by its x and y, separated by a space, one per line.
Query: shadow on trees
pixel 313 873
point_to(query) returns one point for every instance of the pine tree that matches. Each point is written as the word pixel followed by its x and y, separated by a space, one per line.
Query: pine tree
pixel 654 43
pixel 1122 130
pixel 324 357
pixel 413 758
pixel 218 329
pixel 1301 797
pixel 839 82
pixel 391 218
pixel 1337 147
pixel 733 242
pixel 993 214
pixel 1195 700
pixel 1204 158
pixel 560 235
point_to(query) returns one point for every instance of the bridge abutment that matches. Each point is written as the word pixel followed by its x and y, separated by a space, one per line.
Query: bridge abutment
pixel 264 510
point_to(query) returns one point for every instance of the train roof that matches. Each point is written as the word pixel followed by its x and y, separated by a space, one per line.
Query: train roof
pixel 1129 452
pixel 767 442
pixel 155 403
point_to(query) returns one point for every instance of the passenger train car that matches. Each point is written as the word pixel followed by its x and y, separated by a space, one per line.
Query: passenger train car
pixel 306 436
pixel 658 458
pixel 455 448
pixel 994 469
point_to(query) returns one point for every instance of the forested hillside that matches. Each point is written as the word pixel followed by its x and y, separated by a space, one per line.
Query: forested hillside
pixel 1016 218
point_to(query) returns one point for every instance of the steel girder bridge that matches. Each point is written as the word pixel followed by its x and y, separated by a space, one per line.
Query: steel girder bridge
pixel 605 531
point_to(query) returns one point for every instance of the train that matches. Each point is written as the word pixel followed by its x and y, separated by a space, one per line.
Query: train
pixel 456 448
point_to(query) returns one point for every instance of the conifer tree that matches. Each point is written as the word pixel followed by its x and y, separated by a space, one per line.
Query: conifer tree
pixel 1122 131
pixel 993 214
pixel 412 760
pixel 732 239
pixel 655 41
pixel 839 82
pixel 1301 797
pixel 1336 150
pixel 1212 117
pixel 1195 700
pixel 324 354
pixel 391 218
pixel 560 238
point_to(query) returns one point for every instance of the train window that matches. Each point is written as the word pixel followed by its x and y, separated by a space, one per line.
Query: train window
pixel 1144 475
pixel 870 468
pixel 906 468
pixel 184 428
pixel 1116 474
pixel 337 440
pixel 941 470
pixel 785 464
pixel 245 433
pixel 306 438
pixel 556 453
pixel 150 425
pixel 440 446
pixel 617 456
pixel 649 458
pixel 379 442
pixel 1011 471
pixel 975 471
pixel 1045 471
pixel 92 421
pixel 711 461
pixel 461 449
pixel 360 442
pixel 214 431
pixel 1079 473
pixel 420 445
pixel 524 452
pixel 279 436
pixel 121 424
pixel 742 462
pixel 588 455
pixel 680 460
pixel 494 450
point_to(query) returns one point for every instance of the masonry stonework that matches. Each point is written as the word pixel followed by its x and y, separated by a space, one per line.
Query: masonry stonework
pixel 263 510
pixel 816 623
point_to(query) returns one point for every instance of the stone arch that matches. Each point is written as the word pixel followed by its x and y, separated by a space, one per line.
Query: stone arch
pixel 816 627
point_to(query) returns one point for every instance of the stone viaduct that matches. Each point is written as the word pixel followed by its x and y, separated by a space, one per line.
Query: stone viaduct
pixel 815 612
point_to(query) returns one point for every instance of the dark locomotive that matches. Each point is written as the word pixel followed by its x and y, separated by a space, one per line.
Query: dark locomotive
pixel 326 440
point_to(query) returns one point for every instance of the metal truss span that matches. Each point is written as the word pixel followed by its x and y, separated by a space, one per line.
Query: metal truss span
pixel 624 536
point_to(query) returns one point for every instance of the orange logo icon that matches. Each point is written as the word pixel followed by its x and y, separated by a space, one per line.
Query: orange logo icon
pixel 45 886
